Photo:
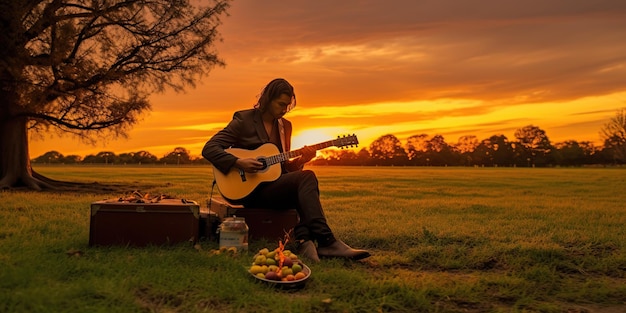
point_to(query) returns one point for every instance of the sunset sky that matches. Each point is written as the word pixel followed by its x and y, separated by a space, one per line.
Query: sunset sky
pixel 401 67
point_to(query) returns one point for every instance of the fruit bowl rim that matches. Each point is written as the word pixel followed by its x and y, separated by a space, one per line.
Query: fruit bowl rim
pixel 305 269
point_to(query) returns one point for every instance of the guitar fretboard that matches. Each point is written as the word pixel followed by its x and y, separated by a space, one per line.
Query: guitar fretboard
pixel 275 159
pixel 339 142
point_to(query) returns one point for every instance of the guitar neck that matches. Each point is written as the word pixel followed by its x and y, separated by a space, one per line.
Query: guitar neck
pixel 275 159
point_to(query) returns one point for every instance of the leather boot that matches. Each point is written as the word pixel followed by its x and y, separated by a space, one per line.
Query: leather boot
pixel 342 250
pixel 308 251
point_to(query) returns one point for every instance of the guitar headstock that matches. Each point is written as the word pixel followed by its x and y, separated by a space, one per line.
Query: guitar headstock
pixel 346 141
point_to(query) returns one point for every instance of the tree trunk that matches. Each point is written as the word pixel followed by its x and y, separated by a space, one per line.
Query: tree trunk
pixel 15 167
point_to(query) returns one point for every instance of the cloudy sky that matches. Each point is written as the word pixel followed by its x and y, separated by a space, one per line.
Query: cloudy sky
pixel 402 67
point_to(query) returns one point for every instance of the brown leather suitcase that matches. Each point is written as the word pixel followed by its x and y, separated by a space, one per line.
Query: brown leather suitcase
pixel 168 221
pixel 262 223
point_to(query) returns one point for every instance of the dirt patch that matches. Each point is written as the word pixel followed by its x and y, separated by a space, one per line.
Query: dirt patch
pixel 620 308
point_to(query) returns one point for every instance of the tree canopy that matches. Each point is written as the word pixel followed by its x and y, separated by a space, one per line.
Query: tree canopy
pixel 87 67
pixel 614 135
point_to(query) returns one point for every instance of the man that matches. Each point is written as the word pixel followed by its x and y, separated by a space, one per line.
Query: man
pixel 295 188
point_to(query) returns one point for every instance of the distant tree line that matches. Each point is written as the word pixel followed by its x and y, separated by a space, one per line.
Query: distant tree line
pixel 180 156
pixel 497 150
pixel 530 148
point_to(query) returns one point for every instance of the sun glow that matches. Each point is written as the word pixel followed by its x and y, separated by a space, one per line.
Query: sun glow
pixel 313 136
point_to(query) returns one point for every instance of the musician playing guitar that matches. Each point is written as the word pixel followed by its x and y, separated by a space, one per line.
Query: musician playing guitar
pixel 249 179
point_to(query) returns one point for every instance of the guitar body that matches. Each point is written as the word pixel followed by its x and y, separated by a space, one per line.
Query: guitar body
pixel 233 186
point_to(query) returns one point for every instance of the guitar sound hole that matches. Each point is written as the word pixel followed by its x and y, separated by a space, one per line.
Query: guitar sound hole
pixel 264 161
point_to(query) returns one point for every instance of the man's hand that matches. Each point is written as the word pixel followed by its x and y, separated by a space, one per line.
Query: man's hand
pixel 308 153
pixel 250 165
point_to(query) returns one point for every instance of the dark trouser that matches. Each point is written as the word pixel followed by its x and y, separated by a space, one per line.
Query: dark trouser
pixel 295 190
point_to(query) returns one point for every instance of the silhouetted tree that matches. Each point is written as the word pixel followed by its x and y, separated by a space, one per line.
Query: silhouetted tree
pixel 88 67
pixel 200 161
pixel 591 152
pixel 416 147
pixel 106 157
pixel 90 159
pixel 387 150
pixel 125 158
pixel 501 150
pixel 483 154
pixel 439 153
pixel 363 156
pixel 614 135
pixel 49 157
pixel 465 147
pixel 144 157
pixel 72 159
pixel 179 156
pixel 569 153
pixel 535 140
pixel 347 157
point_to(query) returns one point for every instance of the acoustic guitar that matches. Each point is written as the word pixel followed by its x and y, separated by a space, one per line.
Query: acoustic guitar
pixel 236 184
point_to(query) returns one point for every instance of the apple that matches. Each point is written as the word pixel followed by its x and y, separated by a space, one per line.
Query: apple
pixel 272 276
pixel 287 262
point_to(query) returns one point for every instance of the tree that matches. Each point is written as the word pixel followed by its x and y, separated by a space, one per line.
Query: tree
pixel 465 147
pixel 536 142
pixel 49 157
pixel 387 150
pixel 466 144
pixel 106 157
pixel 416 147
pixel 591 152
pixel 125 158
pixel 179 156
pixel 439 153
pixel 501 150
pixel 483 154
pixel 87 67
pixel 363 156
pixel 614 135
pixel 72 159
pixel 90 159
pixel 347 157
pixel 569 153
pixel 144 157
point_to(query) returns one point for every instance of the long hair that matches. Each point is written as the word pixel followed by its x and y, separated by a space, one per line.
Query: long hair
pixel 274 90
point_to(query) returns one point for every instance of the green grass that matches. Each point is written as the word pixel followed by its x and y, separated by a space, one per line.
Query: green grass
pixel 443 240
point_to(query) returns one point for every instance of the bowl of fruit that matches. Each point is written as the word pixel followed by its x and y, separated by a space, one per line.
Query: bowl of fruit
pixel 280 268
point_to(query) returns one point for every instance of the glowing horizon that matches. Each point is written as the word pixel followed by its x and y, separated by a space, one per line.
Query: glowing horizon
pixel 501 122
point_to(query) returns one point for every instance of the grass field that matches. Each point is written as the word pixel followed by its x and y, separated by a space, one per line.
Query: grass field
pixel 442 239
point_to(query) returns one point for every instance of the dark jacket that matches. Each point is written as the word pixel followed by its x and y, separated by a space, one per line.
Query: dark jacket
pixel 244 131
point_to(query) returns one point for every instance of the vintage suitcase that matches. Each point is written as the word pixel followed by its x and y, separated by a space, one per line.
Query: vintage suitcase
pixel 168 221
pixel 262 223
